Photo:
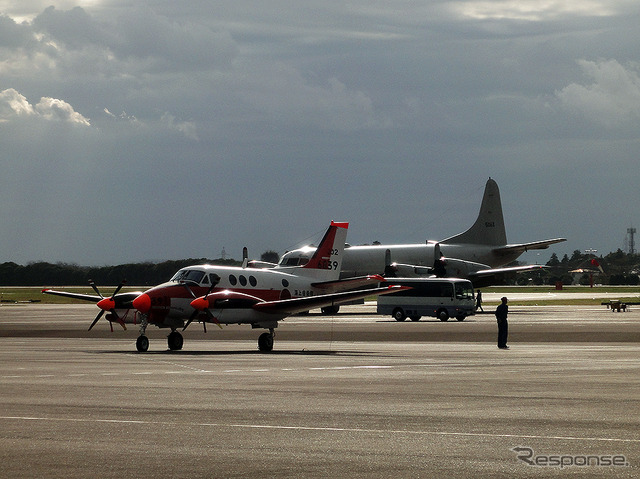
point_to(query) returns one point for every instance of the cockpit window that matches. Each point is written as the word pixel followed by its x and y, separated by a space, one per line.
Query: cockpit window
pixel 178 276
pixel 294 261
pixel 190 275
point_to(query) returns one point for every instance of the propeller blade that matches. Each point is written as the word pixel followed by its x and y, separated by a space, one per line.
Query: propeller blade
pixel 191 318
pixel 96 320
pixel 95 288
pixel 122 283
pixel 186 286
pixel 212 318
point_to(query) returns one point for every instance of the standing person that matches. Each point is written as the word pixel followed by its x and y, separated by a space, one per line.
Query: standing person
pixel 479 301
pixel 503 326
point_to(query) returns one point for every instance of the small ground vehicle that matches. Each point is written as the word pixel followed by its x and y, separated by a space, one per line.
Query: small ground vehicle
pixel 443 298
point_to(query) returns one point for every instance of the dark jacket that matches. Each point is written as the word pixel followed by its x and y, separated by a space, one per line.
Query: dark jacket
pixel 501 312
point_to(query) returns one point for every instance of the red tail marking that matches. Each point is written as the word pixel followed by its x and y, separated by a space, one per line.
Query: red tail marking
pixel 320 259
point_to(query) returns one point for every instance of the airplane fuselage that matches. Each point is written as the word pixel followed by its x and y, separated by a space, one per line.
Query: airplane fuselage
pixel 170 302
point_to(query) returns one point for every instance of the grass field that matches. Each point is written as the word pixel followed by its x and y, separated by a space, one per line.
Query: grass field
pixel 35 295
pixel 595 295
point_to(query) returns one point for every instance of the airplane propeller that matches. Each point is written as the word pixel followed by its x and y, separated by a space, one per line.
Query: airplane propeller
pixel 214 282
pixel 107 304
pixel 199 305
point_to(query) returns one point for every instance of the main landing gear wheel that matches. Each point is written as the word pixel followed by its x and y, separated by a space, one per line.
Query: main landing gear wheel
pixel 175 341
pixel 265 342
pixel 330 310
pixel 142 344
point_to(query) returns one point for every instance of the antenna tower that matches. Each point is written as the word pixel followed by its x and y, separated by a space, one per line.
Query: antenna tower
pixel 632 245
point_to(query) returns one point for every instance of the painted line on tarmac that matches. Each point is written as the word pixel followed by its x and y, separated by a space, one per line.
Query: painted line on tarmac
pixel 319 429
pixel 432 368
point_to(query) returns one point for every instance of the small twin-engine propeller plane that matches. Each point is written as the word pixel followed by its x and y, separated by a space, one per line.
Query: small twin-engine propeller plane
pixel 238 295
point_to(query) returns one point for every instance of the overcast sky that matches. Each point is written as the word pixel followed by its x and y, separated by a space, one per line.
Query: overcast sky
pixel 154 130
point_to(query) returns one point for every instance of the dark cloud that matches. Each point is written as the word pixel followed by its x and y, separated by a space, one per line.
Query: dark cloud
pixel 14 35
pixel 172 130
pixel 75 27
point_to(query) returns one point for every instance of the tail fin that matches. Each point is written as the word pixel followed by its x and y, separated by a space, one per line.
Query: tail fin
pixel 328 255
pixel 489 226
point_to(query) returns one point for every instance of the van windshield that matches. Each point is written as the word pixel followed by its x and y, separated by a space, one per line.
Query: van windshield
pixel 464 290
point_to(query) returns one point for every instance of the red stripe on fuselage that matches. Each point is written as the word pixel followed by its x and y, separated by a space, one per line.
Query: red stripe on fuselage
pixel 162 299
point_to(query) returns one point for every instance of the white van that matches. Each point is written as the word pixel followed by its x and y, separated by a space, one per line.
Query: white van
pixel 443 298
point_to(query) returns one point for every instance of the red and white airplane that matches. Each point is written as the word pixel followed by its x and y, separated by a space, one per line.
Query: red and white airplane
pixel 238 295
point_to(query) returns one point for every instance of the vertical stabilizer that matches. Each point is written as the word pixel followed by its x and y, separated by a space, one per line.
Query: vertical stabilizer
pixel 328 256
pixel 489 227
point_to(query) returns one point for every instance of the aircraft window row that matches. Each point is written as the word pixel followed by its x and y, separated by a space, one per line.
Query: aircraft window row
pixel 243 280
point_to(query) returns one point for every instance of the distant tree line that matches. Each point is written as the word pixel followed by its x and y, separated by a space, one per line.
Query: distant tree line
pixel 618 268
pixel 63 274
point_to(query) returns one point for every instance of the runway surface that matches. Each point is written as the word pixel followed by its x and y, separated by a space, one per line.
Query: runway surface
pixel 354 395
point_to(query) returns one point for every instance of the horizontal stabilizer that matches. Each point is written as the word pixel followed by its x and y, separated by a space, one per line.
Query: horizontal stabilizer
pixel 510 269
pixel 521 248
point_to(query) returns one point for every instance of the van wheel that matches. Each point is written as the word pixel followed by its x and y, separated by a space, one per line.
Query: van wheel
pixel 443 315
pixel 460 317
pixel 415 318
pixel 398 314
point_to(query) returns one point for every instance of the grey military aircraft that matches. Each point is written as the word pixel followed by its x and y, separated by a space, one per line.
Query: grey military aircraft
pixel 480 254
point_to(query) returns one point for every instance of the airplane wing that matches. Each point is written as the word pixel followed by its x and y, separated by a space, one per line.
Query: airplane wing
pixel 122 299
pixel 493 276
pixel 350 283
pixel 522 247
pixel 67 294
pixel 510 269
pixel 298 305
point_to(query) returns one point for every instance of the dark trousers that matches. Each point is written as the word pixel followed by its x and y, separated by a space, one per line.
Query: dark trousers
pixel 503 332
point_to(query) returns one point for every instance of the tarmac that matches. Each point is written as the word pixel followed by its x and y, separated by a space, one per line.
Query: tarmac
pixel 352 395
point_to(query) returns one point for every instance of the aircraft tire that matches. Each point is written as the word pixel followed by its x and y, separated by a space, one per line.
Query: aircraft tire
pixel 398 314
pixel 265 342
pixel 443 315
pixel 142 344
pixel 175 341
pixel 330 310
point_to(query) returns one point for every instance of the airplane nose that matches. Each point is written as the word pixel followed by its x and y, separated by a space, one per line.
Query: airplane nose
pixel 142 303
pixel 200 304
